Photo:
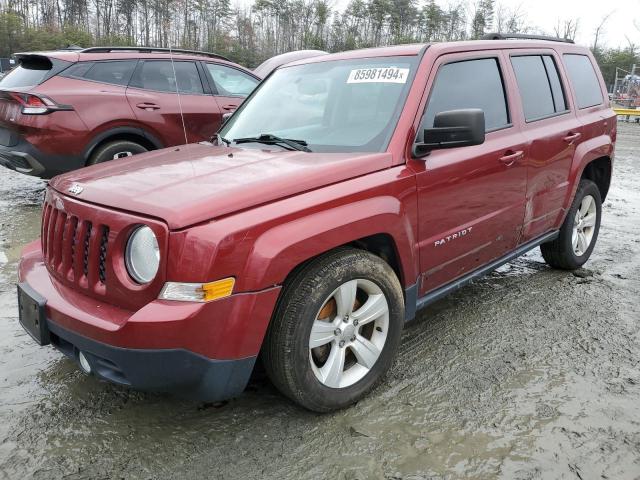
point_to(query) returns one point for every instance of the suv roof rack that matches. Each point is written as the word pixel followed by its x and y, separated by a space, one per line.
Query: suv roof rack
pixel 151 50
pixel 523 36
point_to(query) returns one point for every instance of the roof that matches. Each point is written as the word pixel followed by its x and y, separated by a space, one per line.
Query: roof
pixel 79 55
pixel 443 47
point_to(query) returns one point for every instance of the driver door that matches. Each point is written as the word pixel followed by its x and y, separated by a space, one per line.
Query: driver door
pixel 471 199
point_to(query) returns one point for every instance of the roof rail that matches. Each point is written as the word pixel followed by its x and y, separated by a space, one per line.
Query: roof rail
pixel 151 50
pixel 523 36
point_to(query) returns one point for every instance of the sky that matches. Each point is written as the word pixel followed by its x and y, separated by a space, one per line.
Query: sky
pixel 543 14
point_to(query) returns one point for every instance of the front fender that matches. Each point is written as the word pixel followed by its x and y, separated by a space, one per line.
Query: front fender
pixel 279 250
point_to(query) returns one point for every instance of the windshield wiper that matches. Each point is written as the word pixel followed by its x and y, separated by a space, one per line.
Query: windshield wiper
pixel 270 139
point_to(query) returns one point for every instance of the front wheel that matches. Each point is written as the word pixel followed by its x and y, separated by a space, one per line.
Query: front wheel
pixel 579 231
pixel 336 330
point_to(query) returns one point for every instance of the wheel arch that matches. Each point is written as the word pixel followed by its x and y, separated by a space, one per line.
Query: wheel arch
pixel 379 225
pixel 133 134
pixel 599 172
pixel 597 152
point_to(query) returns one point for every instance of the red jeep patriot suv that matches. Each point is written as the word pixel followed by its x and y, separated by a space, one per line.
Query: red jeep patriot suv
pixel 347 192
pixel 62 110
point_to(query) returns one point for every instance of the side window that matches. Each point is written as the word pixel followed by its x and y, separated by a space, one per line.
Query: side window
pixel 469 84
pixel 77 70
pixel 118 73
pixel 584 80
pixel 158 75
pixel 539 86
pixel 556 85
pixel 231 82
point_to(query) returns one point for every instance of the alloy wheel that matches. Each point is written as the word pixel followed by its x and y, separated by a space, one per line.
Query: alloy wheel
pixel 349 333
pixel 584 225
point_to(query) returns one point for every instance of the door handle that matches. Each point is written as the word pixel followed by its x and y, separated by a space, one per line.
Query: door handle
pixel 230 107
pixel 148 106
pixel 510 157
pixel 572 136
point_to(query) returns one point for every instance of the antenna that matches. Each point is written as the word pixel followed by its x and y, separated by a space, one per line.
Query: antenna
pixel 175 77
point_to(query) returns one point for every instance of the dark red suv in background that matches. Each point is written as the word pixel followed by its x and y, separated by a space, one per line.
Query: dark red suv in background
pixel 63 110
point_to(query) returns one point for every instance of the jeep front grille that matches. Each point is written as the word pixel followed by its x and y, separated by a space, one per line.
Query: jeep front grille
pixel 74 248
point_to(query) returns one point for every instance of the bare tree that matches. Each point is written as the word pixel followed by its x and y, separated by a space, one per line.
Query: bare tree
pixel 600 30
pixel 567 28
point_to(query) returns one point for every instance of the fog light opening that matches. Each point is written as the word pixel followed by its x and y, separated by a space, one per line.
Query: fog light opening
pixel 84 363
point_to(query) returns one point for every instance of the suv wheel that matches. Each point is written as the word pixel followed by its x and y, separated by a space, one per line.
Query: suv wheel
pixel 335 331
pixel 115 150
pixel 579 231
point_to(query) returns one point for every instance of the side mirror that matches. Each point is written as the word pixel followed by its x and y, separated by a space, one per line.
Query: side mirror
pixel 225 118
pixel 454 128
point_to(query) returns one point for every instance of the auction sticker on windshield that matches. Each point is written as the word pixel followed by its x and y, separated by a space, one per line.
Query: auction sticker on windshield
pixel 379 75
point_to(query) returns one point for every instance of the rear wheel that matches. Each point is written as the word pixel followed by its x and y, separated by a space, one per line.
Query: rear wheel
pixel 336 330
pixel 115 150
pixel 579 231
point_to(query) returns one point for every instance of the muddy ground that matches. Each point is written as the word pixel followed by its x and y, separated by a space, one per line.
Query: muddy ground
pixel 528 373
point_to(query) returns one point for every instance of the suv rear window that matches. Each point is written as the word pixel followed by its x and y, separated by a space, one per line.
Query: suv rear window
pixel 158 75
pixel 584 80
pixel 539 85
pixel 32 71
pixel 469 84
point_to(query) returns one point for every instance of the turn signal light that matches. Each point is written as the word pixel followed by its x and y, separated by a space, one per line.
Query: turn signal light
pixel 197 292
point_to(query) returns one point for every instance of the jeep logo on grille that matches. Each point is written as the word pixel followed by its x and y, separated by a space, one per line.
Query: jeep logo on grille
pixel 75 189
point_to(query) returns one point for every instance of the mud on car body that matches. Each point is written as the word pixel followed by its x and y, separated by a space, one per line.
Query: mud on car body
pixel 329 211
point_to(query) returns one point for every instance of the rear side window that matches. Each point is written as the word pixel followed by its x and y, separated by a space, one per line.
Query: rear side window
pixel 230 81
pixel 158 75
pixel 117 73
pixel 469 84
pixel 584 80
pixel 539 86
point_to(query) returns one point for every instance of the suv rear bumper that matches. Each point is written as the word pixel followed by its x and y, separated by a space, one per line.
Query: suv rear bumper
pixel 25 158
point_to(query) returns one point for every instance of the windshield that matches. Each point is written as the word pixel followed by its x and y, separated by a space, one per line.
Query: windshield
pixel 335 106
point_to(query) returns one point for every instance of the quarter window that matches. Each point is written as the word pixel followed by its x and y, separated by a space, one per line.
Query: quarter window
pixel 539 85
pixel 584 80
pixel 469 84
pixel 231 82
pixel 117 73
pixel 158 75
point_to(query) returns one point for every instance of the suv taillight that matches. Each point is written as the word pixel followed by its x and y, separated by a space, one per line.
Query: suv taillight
pixel 36 105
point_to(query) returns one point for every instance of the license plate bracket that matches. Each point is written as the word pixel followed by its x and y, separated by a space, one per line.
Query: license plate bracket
pixel 32 314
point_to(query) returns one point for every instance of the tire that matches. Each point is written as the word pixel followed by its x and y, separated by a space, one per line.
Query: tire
pixel 308 301
pixel 568 251
pixel 116 149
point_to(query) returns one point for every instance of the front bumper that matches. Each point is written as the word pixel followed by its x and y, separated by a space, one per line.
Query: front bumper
pixel 179 371
pixel 197 350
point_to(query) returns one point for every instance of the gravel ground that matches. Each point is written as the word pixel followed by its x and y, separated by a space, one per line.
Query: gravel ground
pixel 528 373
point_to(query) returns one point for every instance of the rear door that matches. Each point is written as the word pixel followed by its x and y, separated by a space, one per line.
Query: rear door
pixel 161 103
pixel 552 132
pixel 470 199
pixel 230 85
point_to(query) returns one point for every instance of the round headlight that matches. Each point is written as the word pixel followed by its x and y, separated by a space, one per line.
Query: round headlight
pixel 142 257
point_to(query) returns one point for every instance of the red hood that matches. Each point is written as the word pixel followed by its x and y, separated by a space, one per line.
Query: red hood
pixel 194 183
